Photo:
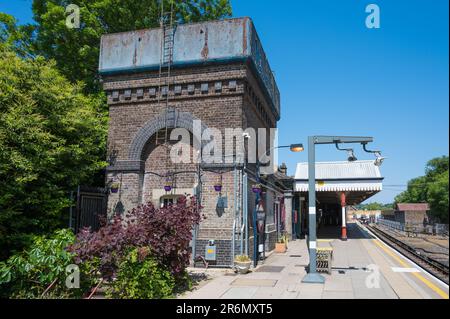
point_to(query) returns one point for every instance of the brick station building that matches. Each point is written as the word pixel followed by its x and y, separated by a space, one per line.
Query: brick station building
pixel 217 73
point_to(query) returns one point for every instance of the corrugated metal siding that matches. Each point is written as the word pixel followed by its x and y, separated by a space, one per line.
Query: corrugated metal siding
pixel 196 42
pixel 340 170
pixel 364 186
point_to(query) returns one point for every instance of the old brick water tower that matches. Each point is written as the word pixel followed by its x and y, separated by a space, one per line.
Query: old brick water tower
pixel 160 79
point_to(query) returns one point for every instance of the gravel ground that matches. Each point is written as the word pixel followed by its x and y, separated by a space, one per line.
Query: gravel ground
pixel 435 247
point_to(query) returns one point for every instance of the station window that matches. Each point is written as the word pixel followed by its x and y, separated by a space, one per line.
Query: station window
pixel 167 201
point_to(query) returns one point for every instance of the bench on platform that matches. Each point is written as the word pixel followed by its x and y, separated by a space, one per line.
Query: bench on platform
pixel 324 259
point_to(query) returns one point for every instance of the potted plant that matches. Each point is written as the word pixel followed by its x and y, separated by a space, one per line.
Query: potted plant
pixel 168 184
pixel 218 185
pixel 242 264
pixel 281 245
pixel 257 188
pixel 115 188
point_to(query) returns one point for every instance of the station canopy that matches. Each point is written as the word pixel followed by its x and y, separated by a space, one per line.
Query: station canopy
pixel 359 180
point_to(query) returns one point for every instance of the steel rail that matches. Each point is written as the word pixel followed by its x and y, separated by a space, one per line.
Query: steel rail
pixel 431 265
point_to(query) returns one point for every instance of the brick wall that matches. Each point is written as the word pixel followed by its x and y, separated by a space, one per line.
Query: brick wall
pixel 221 96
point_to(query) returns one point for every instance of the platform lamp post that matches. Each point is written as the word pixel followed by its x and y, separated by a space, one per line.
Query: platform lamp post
pixel 295 148
pixel 313 276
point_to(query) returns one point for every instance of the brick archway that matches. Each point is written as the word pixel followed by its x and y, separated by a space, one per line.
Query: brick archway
pixel 173 118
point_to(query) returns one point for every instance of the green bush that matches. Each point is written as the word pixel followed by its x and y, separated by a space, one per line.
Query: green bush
pixel 52 139
pixel 140 276
pixel 30 273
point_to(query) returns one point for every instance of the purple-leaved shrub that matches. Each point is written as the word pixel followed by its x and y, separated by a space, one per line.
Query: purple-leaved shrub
pixel 167 233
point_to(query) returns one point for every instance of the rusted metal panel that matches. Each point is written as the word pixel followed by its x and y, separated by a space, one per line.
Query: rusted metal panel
pixel 263 68
pixel 192 43
pixel 215 41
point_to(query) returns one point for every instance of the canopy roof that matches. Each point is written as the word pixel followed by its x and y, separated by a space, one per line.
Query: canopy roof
pixel 359 180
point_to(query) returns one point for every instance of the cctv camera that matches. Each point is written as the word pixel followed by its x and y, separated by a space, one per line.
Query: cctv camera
pixel 379 161
pixel 246 135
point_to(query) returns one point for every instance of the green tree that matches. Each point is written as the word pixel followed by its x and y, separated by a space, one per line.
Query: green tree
pixel 76 51
pixel 18 38
pixel 438 196
pixel 432 188
pixel 416 192
pixel 52 138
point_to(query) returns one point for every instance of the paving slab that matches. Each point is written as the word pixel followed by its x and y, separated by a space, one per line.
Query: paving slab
pixel 254 282
pixel 280 275
pixel 239 293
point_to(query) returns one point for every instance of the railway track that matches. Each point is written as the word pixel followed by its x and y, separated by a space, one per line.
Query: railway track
pixel 434 267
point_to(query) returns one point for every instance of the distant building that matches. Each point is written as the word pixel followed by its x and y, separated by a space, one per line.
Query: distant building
pixel 411 213
pixel 388 214
pixel 353 213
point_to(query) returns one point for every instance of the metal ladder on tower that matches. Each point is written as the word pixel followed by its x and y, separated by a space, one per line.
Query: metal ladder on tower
pixel 165 67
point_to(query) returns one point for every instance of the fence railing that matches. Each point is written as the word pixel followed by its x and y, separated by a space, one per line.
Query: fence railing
pixel 391 224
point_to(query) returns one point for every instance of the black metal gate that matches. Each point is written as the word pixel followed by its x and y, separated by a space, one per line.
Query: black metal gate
pixel 90 208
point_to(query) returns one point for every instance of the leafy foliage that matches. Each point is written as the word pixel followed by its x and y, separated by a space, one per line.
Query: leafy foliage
pixel 77 50
pixel 52 138
pixel 28 274
pixel 432 188
pixel 140 276
pixel 242 259
pixel 166 231
pixel 19 38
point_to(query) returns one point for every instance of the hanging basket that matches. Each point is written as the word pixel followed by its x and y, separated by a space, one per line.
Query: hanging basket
pixel 115 188
pixel 218 184
pixel 257 189
pixel 169 184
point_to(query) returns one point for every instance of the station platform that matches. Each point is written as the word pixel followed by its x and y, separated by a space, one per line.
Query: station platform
pixel 363 268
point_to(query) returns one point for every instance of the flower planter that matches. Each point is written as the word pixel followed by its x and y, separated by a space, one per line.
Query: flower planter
pixel 280 248
pixel 218 188
pixel 243 267
pixel 115 188
pixel 167 188
pixel 256 190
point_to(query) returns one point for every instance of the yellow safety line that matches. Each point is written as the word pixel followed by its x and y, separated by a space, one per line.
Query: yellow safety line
pixel 432 286
pixel 325 240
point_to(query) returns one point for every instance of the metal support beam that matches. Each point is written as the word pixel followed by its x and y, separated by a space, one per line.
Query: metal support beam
pixel 312 276
pixel 341 139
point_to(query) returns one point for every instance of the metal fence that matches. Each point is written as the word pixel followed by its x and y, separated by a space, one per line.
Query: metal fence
pixel 89 209
pixel 436 229
pixel 442 229
pixel 391 224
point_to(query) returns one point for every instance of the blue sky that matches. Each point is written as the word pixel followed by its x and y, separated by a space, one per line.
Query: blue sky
pixel 337 77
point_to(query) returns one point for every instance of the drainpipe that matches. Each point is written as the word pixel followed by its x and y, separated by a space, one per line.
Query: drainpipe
pixel 199 202
pixel 233 244
pixel 255 223
pixel 233 239
pixel 239 212
pixel 255 234
pixel 245 208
